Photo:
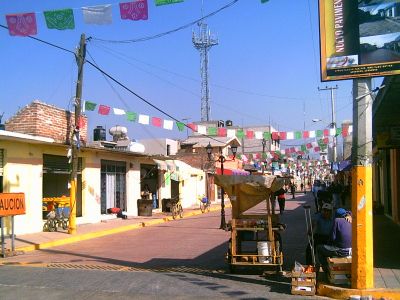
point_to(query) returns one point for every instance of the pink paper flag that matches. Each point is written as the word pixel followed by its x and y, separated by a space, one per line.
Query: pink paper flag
pixel 22 24
pixel 104 109
pixel 136 10
pixel 156 121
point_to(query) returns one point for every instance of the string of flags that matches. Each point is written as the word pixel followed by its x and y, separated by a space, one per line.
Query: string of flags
pixel 25 24
pixel 321 135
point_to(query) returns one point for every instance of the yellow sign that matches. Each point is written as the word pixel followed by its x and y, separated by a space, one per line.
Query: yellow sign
pixel 12 204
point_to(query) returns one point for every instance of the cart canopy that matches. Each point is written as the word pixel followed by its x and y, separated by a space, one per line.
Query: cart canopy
pixel 246 192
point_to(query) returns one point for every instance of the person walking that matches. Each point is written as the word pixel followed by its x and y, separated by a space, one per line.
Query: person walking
pixel 281 200
pixel 293 190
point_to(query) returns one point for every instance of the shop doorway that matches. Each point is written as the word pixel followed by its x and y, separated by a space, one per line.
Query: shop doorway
pixel 56 177
pixel 149 184
pixel 113 185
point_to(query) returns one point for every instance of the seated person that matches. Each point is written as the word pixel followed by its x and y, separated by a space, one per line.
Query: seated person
pixel 145 194
pixel 322 228
pixel 339 244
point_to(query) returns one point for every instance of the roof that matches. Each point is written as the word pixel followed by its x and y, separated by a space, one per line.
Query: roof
pixel 202 142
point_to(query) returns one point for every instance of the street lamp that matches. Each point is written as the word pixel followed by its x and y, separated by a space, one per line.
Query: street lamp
pixel 221 159
pixel 263 142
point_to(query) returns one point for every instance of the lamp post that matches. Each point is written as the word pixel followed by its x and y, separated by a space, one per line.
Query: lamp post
pixel 264 143
pixel 221 159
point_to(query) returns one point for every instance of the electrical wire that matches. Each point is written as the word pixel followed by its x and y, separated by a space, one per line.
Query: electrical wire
pixel 152 37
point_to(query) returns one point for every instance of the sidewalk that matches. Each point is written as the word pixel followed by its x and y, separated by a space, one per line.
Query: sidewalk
pixel 43 240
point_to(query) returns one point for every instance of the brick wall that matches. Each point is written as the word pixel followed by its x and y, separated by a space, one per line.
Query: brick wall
pixel 41 119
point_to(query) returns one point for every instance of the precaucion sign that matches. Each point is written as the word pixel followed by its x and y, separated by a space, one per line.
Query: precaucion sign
pixel 12 204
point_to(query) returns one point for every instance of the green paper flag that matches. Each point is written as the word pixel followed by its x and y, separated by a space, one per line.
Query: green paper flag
pixel 320 133
pixel 180 125
pixel 164 2
pixel 240 133
pixel 60 19
pixel 167 178
pixel 131 116
pixel 212 130
pixel 267 135
pixel 303 148
pixel 90 105
pixel 338 131
pixel 298 135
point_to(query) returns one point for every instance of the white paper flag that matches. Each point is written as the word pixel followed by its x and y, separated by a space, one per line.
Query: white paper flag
pixel 100 14
pixel 332 132
pixel 231 133
pixel 118 111
pixel 201 129
pixel 290 135
pixel 168 124
pixel 258 135
pixel 312 133
pixel 144 119
pixel 350 128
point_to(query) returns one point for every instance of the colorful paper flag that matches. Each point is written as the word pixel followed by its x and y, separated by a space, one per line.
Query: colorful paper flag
pixel 90 105
pixel 282 135
pixel 231 133
pixel 326 132
pixel 192 126
pixel 201 129
pixel 320 133
pixel 99 14
pixel 104 109
pixel 144 119
pixel 212 131
pixel 309 146
pixel 156 121
pixel 118 111
pixel 297 135
pixel 22 24
pixel 290 135
pixel 59 19
pixel 250 134
pixel 258 135
pixel 180 125
pixel 275 136
pixel 240 133
pixel 164 2
pixel 306 134
pixel 312 133
pixel 222 131
pixel 131 116
pixel 168 124
pixel 267 135
pixel 136 10
pixel 338 131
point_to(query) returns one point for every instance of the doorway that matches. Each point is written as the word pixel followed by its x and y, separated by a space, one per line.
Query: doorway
pixel 113 185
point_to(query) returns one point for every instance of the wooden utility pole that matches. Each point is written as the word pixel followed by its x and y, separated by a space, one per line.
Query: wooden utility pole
pixel 362 268
pixel 75 140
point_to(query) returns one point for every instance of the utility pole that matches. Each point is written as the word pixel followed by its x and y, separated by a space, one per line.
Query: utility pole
pixel 75 141
pixel 203 43
pixel 362 267
pixel 334 153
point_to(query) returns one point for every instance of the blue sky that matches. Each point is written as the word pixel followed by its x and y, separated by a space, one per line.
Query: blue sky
pixel 266 66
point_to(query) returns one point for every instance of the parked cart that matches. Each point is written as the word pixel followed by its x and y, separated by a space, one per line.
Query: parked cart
pixel 255 239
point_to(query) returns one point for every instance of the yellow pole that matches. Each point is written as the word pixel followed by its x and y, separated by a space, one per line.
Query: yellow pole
pixel 362 271
pixel 72 207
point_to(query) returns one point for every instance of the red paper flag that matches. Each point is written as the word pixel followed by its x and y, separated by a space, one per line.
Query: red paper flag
pixel 249 134
pixel 306 134
pixel 317 149
pixel 292 150
pixel 326 141
pixel 156 121
pixel 192 126
pixel 136 10
pixel 82 122
pixel 221 131
pixel 326 132
pixel 104 109
pixel 309 146
pixel 22 24
pixel 275 136
pixel 287 151
pixel 345 131
pixel 282 135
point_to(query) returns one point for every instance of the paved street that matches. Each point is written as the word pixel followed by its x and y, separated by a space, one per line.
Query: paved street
pixel 183 259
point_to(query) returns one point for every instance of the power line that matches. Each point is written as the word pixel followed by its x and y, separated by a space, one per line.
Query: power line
pixel 152 37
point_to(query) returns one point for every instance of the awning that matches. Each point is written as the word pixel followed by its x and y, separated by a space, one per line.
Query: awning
pixel 232 172
pixel 162 165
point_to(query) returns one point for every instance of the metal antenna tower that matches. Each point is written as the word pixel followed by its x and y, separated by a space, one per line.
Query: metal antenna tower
pixel 203 43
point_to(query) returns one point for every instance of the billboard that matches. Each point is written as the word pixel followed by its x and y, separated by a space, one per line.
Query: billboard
pixel 359 38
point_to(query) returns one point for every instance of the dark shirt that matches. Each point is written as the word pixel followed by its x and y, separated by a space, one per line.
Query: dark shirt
pixel 323 226
pixel 341 233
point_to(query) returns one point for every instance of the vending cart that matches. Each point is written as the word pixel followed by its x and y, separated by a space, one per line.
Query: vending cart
pixel 255 228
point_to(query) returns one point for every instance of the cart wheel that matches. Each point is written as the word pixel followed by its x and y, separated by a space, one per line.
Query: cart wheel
pixel 208 207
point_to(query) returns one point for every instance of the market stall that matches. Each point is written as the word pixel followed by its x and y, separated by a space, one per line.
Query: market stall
pixel 255 238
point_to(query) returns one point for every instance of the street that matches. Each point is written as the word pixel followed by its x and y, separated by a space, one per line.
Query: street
pixel 181 259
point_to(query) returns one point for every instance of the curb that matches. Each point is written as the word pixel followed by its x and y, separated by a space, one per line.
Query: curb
pixel 345 293
pixel 101 233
